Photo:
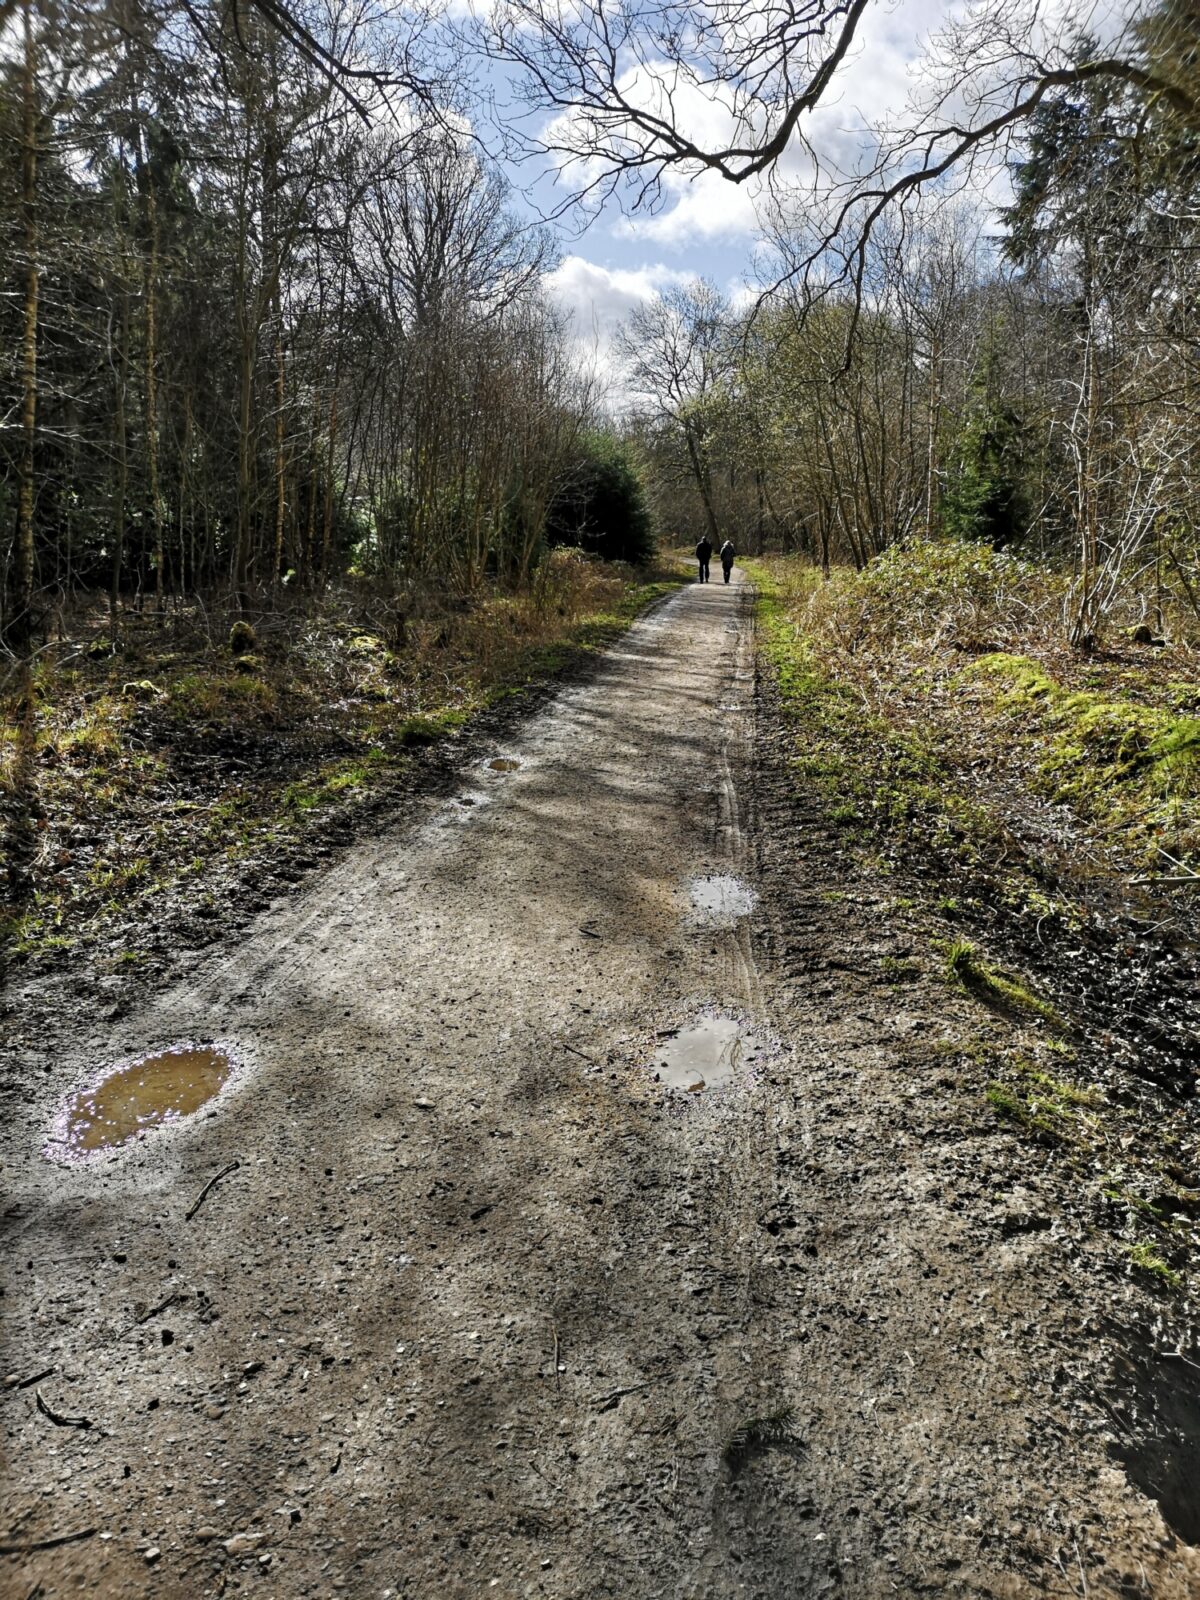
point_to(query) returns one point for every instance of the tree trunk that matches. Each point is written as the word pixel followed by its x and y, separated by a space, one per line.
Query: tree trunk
pixel 327 529
pixel 280 479
pixel 121 459
pixel 700 473
pixel 151 308
pixel 21 624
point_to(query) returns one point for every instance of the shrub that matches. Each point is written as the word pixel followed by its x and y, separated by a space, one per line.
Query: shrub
pixel 601 507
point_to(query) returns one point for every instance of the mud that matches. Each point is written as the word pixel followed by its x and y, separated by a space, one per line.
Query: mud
pixel 481 1309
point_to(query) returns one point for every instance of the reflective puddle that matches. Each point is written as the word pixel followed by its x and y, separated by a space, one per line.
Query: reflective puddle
pixel 720 899
pixel 150 1091
pixel 704 1056
pixel 504 764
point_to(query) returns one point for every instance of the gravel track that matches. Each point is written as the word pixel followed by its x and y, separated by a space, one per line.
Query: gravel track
pixel 482 1305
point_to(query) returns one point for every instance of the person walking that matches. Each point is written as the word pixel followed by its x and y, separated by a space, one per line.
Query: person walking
pixel 728 557
pixel 704 555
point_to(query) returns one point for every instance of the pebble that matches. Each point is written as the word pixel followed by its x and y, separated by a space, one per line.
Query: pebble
pixel 243 1543
pixel 152 1554
pixel 206 1533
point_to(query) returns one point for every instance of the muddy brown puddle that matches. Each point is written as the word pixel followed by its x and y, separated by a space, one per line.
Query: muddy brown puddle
pixel 141 1095
pixel 504 764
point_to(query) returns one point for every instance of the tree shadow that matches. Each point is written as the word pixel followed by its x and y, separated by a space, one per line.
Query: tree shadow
pixel 758 1436
pixel 1159 1442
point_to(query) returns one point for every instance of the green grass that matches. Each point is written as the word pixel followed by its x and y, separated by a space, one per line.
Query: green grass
pixel 900 971
pixel 968 971
pixel 1118 763
pixel 1146 1259
pixel 1034 1115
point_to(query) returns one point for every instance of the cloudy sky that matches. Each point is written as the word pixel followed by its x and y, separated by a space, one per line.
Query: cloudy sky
pixel 709 227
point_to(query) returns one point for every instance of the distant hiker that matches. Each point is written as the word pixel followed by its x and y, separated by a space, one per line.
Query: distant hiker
pixel 704 555
pixel 728 557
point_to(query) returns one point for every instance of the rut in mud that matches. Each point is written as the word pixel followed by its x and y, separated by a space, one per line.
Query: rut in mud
pixel 483 1305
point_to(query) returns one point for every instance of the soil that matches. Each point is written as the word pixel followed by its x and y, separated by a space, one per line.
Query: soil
pixel 478 1304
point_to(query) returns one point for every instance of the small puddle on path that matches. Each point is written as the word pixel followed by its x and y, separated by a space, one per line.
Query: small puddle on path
pixel 719 899
pixel 504 764
pixel 152 1090
pixel 701 1057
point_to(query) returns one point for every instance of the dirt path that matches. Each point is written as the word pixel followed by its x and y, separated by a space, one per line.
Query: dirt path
pixel 483 1304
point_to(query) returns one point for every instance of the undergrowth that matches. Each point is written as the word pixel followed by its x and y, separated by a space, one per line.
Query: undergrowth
pixel 194 745
pixel 934 706
pixel 955 654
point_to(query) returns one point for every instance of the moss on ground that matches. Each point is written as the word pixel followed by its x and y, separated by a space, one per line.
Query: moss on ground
pixel 957 651
pixel 1120 763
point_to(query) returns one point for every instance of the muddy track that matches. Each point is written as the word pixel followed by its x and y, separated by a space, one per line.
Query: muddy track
pixel 484 1308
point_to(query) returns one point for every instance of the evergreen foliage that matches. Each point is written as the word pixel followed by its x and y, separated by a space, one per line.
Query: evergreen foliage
pixel 985 498
pixel 602 505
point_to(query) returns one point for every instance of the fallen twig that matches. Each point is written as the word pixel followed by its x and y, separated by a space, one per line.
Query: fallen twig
pixel 153 1312
pixel 60 1421
pixel 613 1399
pixel 556 1357
pixel 25 1383
pixel 46 1544
pixel 216 1178
pixel 579 1053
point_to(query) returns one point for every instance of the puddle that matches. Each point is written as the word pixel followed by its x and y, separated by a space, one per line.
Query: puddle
pixel 704 1056
pixel 150 1091
pixel 720 899
pixel 504 764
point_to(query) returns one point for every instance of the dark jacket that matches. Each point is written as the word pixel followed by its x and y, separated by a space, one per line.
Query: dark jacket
pixel 704 551
pixel 728 553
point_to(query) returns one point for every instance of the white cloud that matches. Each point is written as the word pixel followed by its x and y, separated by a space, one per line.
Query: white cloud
pixel 598 299
pixel 705 208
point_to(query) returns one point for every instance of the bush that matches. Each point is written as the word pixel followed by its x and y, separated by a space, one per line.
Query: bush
pixel 602 507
